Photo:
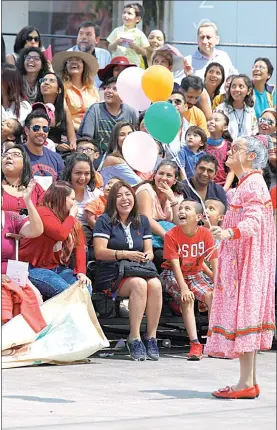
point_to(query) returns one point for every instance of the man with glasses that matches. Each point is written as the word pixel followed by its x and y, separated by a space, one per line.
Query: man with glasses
pixel 47 165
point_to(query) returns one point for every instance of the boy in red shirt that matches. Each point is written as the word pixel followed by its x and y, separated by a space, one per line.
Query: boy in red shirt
pixel 185 248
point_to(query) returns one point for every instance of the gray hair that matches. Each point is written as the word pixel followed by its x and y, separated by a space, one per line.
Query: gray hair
pixel 260 145
pixel 207 23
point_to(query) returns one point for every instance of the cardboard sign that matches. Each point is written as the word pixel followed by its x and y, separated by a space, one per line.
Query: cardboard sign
pixel 17 271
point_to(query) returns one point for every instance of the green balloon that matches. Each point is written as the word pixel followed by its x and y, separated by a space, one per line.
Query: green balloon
pixel 162 121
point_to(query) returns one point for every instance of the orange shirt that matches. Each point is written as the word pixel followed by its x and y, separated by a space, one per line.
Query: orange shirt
pixel 97 206
pixel 190 250
pixel 273 195
pixel 99 182
pixel 78 101
pixel 195 116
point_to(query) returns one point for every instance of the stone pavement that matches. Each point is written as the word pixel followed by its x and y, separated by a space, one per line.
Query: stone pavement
pixel 116 393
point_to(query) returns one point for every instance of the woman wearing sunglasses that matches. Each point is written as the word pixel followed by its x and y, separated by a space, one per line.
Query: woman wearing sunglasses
pixel 32 65
pixel 243 312
pixel 16 176
pixel 28 37
pixel 264 94
pixel 62 133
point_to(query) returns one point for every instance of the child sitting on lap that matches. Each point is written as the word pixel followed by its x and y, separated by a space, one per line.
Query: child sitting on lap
pixel 185 247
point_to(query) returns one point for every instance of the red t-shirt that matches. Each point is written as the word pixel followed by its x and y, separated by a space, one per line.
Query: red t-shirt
pixel 190 250
pixel 220 153
pixel 15 204
pixel 40 252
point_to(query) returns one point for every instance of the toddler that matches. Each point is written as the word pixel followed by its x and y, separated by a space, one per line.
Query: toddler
pixel 196 140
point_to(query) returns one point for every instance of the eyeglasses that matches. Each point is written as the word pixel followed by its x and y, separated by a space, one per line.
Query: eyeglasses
pixel 36 128
pixel 267 121
pixel 74 60
pixel 177 102
pixel 88 150
pixel 50 80
pixel 261 68
pixel 12 155
pixel 32 57
pixel 30 38
pixel 234 148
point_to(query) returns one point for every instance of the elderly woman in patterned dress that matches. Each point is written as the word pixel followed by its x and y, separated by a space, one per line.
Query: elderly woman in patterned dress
pixel 242 316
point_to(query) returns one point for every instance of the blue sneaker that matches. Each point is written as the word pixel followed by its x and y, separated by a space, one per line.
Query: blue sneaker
pixel 137 350
pixel 152 349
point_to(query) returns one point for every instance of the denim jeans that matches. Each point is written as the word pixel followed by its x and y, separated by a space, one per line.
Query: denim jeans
pixel 51 282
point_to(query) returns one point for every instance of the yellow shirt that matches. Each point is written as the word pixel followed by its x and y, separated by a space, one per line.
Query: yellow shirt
pixel 136 35
pixel 195 116
pixel 78 101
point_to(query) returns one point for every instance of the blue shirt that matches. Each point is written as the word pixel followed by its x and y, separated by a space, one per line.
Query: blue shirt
pixel 48 164
pixel 188 159
pixel 121 237
pixel 261 102
pixel 214 192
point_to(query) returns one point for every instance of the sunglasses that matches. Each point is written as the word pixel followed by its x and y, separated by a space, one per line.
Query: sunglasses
pixel 30 38
pixel 32 57
pixel 36 128
pixel 267 121
pixel 50 80
pixel 177 102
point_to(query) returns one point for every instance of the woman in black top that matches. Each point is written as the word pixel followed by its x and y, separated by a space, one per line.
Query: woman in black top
pixel 51 90
pixel 122 234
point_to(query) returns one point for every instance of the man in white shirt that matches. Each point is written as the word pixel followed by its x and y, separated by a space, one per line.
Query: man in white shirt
pixel 87 39
pixel 208 38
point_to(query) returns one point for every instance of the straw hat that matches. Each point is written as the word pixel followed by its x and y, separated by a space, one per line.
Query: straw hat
pixel 107 71
pixel 59 60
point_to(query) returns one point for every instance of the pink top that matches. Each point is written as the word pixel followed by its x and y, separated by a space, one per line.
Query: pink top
pixel 15 204
pixel 158 212
pixel 220 153
pixel 13 223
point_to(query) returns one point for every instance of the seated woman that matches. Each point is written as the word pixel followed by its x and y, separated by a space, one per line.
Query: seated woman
pixel 77 70
pixel 213 79
pixel 32 65
pixel 79 173
pixel 27 37
pixel 49 255
pixel 264 94
pixel 267 123
pixel 220 98
pixel 156 39
pixel 17 173
pixel 122 234
pixel 51 90
pixel 114 163
pixel 13 99
pixel 159 201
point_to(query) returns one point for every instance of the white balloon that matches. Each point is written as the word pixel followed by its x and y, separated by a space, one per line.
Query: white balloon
pixel 130 90
pixel 140 151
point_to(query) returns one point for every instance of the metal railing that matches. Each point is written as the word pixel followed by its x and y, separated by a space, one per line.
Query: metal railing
pixel 175 42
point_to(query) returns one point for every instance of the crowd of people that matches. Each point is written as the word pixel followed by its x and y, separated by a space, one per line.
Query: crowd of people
pixel 72 198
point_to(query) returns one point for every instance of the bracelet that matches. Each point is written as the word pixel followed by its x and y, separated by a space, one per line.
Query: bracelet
pixel 174 203
pixel 230 230
pixel 115 254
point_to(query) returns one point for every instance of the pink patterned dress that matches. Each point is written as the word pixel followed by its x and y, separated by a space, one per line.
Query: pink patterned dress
pixel 243 314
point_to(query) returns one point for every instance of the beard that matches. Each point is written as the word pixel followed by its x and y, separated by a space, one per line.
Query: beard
pixel 86 47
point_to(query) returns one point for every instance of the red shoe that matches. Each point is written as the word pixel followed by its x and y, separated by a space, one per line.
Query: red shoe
pixel 195 351
pixel 230 393
pixel 257 388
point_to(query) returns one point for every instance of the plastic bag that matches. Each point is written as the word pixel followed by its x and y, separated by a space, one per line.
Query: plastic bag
pixel 73 332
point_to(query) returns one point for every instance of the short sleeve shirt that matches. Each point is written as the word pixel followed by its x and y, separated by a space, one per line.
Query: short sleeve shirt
pixel 48 164
pixel 190 250
pixel 214 191
pixel 120 237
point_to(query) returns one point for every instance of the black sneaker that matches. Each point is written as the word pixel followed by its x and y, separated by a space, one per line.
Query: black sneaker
pixel 151 347
pixel 137 350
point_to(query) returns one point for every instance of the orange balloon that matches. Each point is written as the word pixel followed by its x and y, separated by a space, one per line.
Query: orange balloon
pixel 157 83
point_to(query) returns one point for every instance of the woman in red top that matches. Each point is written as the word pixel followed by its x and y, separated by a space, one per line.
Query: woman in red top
pixel 17 174
pixel 49 255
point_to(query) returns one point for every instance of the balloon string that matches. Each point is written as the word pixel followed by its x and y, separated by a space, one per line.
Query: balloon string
pixel 177 161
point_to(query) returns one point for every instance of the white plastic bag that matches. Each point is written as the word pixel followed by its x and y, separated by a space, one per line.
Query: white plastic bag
pixel 73 332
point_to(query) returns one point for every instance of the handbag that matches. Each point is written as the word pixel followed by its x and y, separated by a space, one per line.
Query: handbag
pixel 128 269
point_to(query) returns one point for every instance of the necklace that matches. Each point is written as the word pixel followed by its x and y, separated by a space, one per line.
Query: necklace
pixel 11 185
pixel 239 119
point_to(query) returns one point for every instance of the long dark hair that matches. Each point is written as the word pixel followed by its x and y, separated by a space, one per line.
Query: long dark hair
pixel 111 210
pixel 59 102
pixel 13 85
pixel 177 188
pixel 27 173
pixel 113 147
pixel 71 161
pixel 55 199
pixel 215 64
pixel 226 134
pixel 20 62
pixel 249 99
pixel 21 38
